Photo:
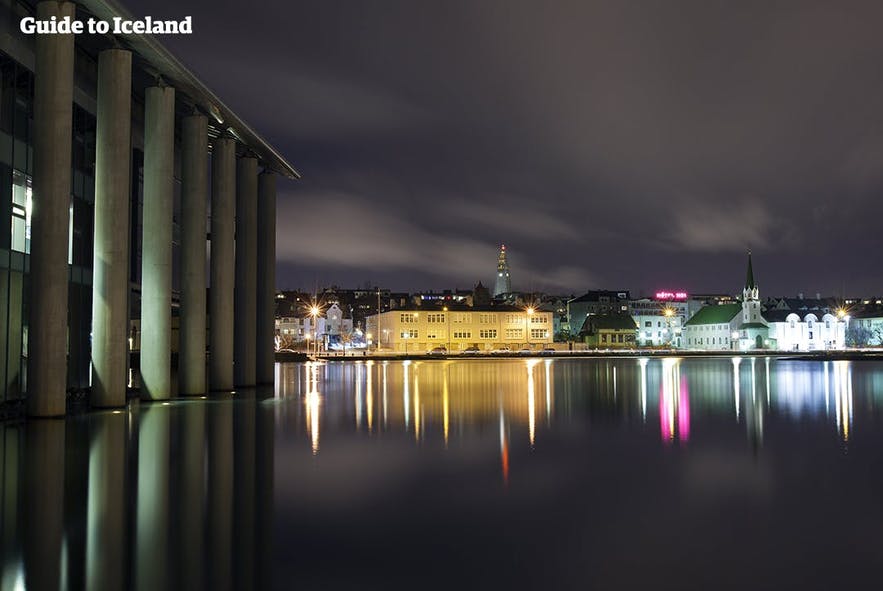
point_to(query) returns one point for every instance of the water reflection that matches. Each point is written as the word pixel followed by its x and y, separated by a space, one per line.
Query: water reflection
pixel 447 398
pixel 186 494
pixel 156 497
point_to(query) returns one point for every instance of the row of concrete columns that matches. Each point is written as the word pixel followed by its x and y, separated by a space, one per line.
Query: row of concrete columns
pixel 242 242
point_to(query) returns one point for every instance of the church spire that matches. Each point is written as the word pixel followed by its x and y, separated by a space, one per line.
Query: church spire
pixel 750 291
pixel 749 279
pixel 502 284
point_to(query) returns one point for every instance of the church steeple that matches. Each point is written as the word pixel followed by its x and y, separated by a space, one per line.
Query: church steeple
pixel 749 279
pixel 502 284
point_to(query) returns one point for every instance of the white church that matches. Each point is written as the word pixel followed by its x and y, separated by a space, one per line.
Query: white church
pixel 785 327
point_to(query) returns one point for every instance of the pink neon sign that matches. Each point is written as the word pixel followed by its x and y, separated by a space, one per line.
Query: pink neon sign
pixel 671 295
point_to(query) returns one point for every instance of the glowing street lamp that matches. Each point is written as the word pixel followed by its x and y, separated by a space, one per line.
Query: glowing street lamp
pixel 530 310
pixel 314 312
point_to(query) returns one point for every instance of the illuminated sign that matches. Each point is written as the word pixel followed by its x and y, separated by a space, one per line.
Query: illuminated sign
pixel 671 295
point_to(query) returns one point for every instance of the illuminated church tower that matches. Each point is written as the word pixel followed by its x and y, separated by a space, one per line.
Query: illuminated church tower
pixel 503 284
pixel 750 297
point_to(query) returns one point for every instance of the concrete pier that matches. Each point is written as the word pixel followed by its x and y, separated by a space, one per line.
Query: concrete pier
pixel 245 293
pixel 110 287
pixel 191 351
pixel 53 115
pixel 266 274
pixel 222 264
pixel 156 262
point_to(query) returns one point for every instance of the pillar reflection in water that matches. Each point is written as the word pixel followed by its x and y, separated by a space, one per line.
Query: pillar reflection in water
pixel 106 506
pixel 190 500
pixel 152 519
pixel 11 560
pixel 244 489
pixel 43 501
pixel 220 494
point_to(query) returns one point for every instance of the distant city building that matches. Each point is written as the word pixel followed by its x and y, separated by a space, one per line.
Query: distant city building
pixel 661 319
pixel 481 296
pixel 459 327
pixel 594 303
pixel 614 330
pixel 503 283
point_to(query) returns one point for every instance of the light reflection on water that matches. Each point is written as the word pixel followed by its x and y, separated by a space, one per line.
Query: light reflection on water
pixel 349 470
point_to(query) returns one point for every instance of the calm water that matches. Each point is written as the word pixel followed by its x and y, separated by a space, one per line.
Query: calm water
pixel 512 473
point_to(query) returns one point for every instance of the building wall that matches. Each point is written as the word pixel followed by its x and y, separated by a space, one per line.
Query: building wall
pixel 809 333
pixel 711 337
pixel 612 338
pixel 420 330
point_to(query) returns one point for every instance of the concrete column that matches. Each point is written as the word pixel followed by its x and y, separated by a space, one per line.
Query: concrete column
pixel 266 271
pixel 53 114
pixel 245 293
pixel 191 351
pixel 222 269
pixel 110 287
pixel 156 248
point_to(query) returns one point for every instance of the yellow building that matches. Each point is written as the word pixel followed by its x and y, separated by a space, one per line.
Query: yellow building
pixel 419 330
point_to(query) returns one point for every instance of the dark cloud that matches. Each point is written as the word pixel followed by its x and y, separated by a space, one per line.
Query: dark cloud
pixel 609 144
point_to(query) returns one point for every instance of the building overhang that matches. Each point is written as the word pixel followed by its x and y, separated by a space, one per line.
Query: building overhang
pixel 151 55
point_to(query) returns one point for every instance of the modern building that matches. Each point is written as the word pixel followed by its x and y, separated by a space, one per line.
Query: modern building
pixel 614 330
pixel 503 283
pixel 661 318
pixel 105 145
pixel 459 327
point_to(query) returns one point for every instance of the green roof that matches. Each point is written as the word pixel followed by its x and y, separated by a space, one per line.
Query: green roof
pixel 715 314
pixel 753 325
pixel 593 324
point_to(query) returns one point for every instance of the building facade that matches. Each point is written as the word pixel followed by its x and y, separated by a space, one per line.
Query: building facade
pixel 105 146
pixel 616 330
pixel 593 303
pixel 421 329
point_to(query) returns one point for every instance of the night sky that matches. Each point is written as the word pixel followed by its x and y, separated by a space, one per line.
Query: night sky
pixel 637 145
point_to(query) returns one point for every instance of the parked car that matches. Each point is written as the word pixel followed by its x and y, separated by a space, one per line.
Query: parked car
pixel 470 351
pixel 438 351
pixel 525 351
pixel 501 351
pixel 547 351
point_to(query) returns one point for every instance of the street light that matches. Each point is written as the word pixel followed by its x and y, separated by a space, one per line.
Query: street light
pixel 668 313
pixel 447 328
pixel 314 312
pixel 530 312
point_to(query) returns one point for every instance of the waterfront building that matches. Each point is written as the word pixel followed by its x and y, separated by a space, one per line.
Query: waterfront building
pixel 503 283
pixel 593 303
pixel 865 326
pixel 806 324
pixel 731 326
pixel 661 318
pixel 614 330
pixel 456 328
pixel 104 186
